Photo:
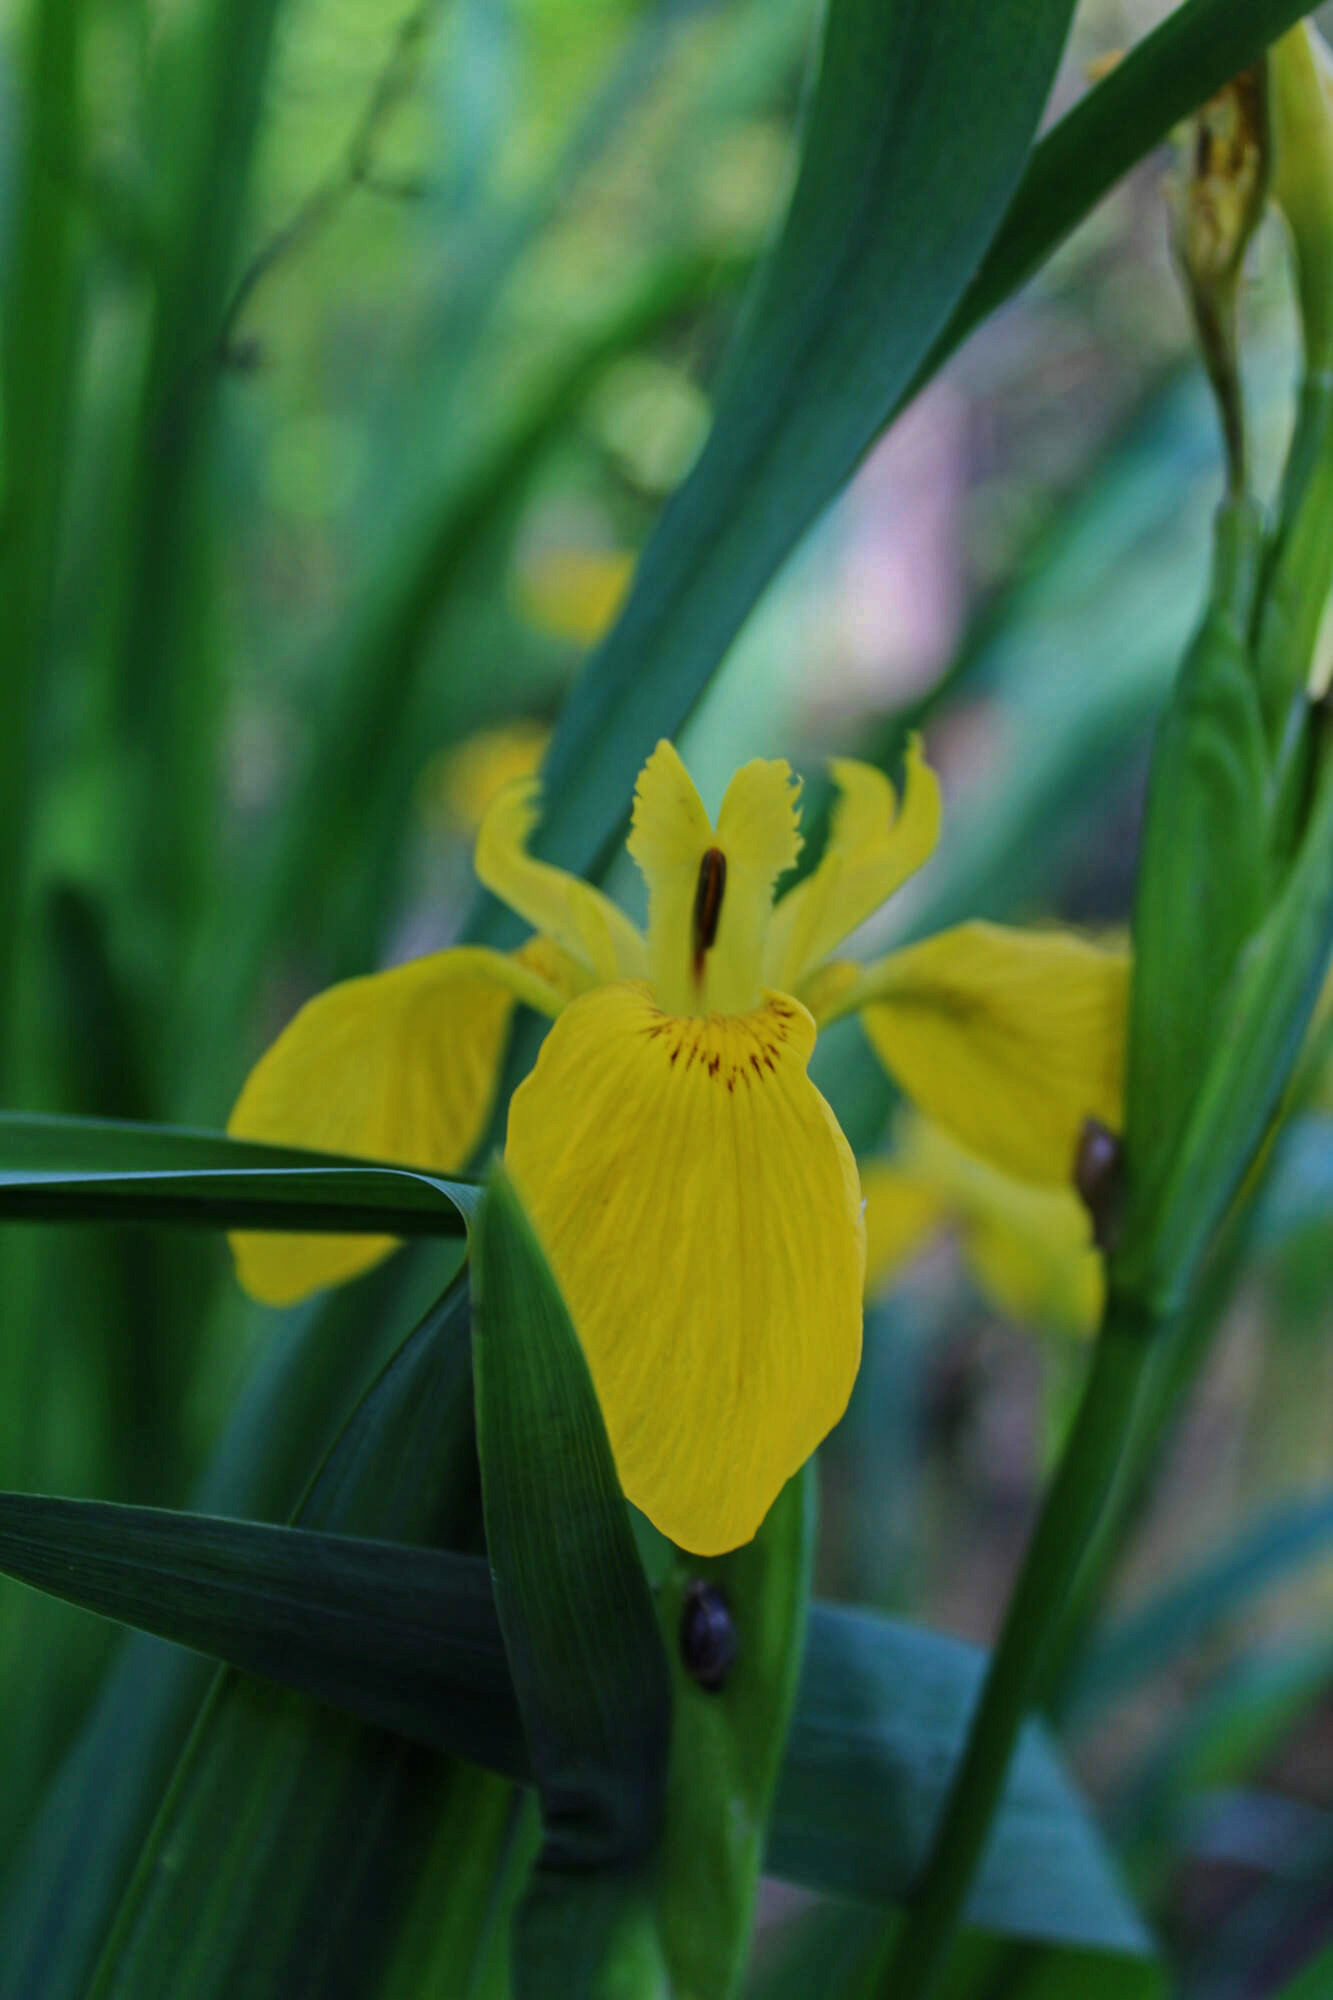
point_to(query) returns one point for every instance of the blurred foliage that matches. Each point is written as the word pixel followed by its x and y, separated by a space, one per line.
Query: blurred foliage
pixel 349 363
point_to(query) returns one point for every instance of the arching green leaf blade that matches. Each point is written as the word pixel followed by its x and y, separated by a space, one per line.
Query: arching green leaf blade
pixel 917 130
pixel 103 1170
pixel 581 1632
pixel 879 1719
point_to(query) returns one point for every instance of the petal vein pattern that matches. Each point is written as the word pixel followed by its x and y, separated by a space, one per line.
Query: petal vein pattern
pixel 1009 1039
pixel 701 1210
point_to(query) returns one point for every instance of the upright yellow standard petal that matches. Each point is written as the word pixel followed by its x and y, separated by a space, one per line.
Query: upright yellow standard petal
pixel 758 833
pixel 710 890
pixel 578 917
pixel 701 1211
pixel 1008 1038
pixel 669 835
pixel 875 843
pixel 400 1066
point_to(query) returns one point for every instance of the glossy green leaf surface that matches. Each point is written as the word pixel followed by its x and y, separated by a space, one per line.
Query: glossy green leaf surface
pixel 580 1630
pixel 282 1603
pixel 100 1170
pixel 878 1721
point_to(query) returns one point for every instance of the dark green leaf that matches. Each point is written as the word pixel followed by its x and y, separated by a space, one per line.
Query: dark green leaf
pixel 297 1837
pixel 289 1604
pixel 1224 1735
pixel 728 1740
pixel 580 1629
pixel 62 1890
pixel 917 131
pixel 93 1169
pixel 1200 46
pixel 879 1720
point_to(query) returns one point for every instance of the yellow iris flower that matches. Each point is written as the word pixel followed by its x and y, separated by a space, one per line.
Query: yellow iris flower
pixel 695 1195
pixel 1030 1249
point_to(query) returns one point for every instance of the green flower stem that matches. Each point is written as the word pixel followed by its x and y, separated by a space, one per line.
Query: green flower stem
pixel 1295 594
pixel 1176 1360
pixel 1084 1488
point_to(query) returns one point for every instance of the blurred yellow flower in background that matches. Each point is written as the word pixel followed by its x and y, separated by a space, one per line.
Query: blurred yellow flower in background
pixel 460 783
pixel 694 1192
pixel 1029 1248
pixel 574 593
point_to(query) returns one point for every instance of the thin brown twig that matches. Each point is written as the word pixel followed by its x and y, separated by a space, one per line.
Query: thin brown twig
pixel 356 168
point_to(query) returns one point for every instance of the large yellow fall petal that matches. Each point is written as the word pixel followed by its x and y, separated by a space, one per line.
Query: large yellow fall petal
pixel 578 917
pixel 875 843
pixel 700 1208
pixel 1008 1038
pixel 400 1066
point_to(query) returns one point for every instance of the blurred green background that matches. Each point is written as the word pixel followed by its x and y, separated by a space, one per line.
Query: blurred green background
pixel 359 493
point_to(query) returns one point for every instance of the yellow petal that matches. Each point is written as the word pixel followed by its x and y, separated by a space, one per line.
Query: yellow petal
pixel 401 1066
pixel 459 784
pixel 874 844
pixel 1030 1248
pixel 578 917
pixel 575 593
pixel 716 966
pixel 669 834
pixel 1008 1038
pixel 902 1211
pixel 700 1208
pixel 758 832
pixel 1036 1259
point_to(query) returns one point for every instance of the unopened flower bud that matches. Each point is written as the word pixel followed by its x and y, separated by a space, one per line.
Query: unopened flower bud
pixel 1301 98
pixel 1216 197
